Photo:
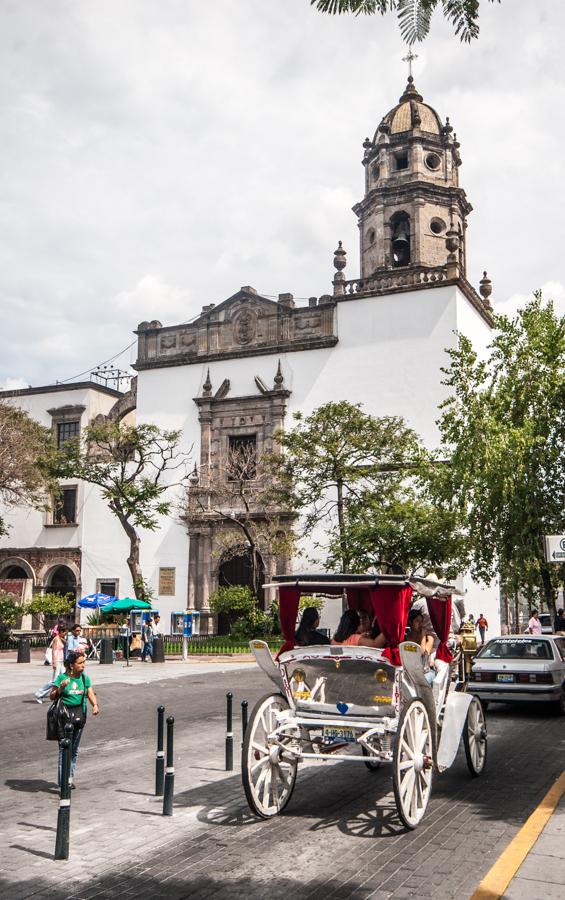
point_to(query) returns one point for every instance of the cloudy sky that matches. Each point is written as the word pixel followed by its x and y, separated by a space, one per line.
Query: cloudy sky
pixel 155 156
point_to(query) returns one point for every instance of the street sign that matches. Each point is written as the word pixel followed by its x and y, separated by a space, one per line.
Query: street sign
pixel 555 548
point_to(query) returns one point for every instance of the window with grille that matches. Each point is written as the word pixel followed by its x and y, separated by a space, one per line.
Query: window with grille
pixel 242 457
pixel 66 431
pixel 107 587
pixel 65 507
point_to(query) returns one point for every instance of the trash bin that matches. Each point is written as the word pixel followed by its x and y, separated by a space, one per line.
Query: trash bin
pixel 158 650
pixel 23 650
pixel 106 651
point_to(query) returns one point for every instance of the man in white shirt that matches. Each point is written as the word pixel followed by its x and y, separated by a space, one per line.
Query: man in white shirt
pixel 157 626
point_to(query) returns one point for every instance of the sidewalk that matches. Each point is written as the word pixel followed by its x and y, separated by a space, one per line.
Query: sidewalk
pixel 542 874
pixel 26 678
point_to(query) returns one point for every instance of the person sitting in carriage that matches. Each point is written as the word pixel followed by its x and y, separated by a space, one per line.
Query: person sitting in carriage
pixel 307 634
pixel 349 632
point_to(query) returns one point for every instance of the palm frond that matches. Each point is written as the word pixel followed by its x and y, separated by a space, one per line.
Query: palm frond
pixel 414 17
pixel 357 7
pixel 464 15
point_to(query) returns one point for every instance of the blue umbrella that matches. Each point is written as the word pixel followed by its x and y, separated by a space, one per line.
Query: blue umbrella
pixel 95 601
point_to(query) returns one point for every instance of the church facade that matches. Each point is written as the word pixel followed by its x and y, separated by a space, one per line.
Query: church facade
pixel 234 376
pixel 238 373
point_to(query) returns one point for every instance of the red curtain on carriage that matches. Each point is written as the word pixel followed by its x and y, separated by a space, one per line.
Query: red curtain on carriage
pixel 289 598
pixel 440 614
pixel 391 604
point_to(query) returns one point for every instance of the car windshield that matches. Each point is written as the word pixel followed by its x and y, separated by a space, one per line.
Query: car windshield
pixel 516 648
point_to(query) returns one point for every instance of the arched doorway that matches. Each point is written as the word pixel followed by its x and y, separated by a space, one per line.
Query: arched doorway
pixel 238 570
pixel 15 572
pixel 61 581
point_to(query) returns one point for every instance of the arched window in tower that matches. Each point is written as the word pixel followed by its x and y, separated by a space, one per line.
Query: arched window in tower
pixel 400 239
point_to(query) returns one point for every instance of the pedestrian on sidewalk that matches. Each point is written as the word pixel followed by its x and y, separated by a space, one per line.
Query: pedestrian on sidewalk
pixel 74 688
pixel 559 623
pixel 58 650
pixel 534 625
pixel 147 638
pixel 157 631
pixel 482 625
pixel 75 640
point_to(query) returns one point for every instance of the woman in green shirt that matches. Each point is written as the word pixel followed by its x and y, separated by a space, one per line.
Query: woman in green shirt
pixel 75 689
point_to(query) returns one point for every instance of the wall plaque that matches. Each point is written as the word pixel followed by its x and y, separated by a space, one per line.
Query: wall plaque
pixel 167 581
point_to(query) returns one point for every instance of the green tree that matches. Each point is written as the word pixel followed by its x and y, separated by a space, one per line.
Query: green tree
pixel 128 464
pixel 362 480
pixel 50 605
pixel 10 611
pixel 27 451
pixel 503 428
pixel 402 530
pixel 414 16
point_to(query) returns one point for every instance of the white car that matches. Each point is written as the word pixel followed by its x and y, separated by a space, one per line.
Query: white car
pixel 520 668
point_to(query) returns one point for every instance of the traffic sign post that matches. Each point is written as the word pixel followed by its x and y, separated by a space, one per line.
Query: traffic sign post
pixel 554 548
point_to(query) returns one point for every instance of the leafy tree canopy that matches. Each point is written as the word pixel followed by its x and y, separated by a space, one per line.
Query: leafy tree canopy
pixel 128 464
pixel 504 429
pixel 361 482
pixel 414 16
pixel 26 452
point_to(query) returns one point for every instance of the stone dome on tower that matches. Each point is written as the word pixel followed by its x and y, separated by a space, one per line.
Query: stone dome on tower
pixel 410 113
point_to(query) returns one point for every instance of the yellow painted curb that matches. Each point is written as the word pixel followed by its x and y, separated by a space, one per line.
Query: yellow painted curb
pixel 496 881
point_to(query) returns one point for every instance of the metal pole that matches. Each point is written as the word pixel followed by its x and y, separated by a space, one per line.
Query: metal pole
pixel 64 814
pixel 244 711
pixel 160 756
pixel 184 648
pixel 229 733
pixel 169 770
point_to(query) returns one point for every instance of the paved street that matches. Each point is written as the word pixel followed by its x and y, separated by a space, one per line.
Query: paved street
pixel 340 837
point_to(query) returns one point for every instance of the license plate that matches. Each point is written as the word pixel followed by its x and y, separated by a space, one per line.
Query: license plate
pixel 502 677
pixel 337 735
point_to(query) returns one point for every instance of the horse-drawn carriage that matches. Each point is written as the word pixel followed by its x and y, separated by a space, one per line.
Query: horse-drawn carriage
pixel 332 701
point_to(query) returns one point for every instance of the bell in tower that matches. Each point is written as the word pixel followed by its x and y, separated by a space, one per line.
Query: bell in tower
pixel 412 194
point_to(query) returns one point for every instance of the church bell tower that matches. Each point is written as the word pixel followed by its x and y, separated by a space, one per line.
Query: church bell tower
pixel 413 216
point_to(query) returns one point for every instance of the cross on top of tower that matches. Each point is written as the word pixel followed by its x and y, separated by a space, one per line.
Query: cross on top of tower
pixel 409 58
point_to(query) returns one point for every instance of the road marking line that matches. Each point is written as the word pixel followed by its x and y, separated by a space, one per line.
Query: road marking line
pixel 495 882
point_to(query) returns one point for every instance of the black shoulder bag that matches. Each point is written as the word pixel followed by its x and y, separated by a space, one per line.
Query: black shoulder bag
pixel 59 714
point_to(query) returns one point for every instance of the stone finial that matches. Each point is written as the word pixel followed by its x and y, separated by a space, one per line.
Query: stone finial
pixel 410 91
pixel 448 127
pixel 279 378
pixel 452 245
pixel 286 300
pixel 208 307
pixel 485 288
pixel 340 261
pixel 194 477
pixel 207 386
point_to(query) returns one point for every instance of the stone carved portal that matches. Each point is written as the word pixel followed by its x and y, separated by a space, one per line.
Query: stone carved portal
pixel 226 422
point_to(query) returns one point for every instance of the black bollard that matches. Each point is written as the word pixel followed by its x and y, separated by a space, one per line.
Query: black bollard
pixel 23 650
pixel 169 770
pixel 160 756
pixel 244 712
pixel 64 814
pixel 158 655
pixel 229 733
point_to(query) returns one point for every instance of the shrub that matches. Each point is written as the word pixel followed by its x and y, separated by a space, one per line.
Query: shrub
pixel 235 601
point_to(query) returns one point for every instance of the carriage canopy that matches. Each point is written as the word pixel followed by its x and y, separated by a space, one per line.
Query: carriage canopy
pixel 387 597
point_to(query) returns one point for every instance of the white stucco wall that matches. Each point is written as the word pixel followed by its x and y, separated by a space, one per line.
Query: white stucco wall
pixel 97 533
pixel 388 358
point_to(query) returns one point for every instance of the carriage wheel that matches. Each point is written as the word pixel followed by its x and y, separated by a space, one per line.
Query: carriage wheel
pixel 371 762
pixel 268 773
pixel 475 738
pixel 413 762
